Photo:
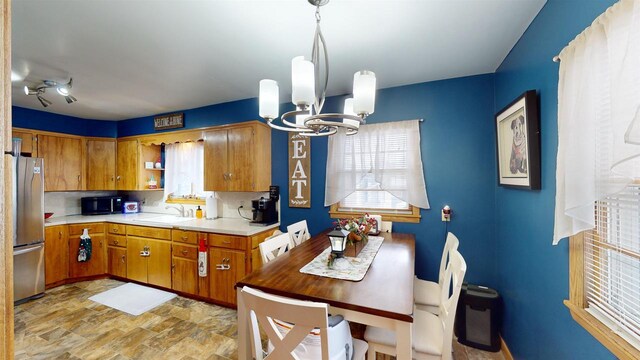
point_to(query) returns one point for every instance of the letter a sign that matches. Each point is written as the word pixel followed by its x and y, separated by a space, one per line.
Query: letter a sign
pixel 299 171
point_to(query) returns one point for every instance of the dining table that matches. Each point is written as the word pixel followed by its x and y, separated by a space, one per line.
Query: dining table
pixel 383 298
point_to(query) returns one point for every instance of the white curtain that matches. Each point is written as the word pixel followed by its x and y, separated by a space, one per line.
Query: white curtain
pixel 390 151
pixel 598 116
pixel 184 169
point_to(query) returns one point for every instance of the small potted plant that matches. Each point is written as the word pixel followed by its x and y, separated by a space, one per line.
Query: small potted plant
pixel 358 228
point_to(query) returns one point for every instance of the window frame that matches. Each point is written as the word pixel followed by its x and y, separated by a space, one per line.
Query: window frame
pixel 412 217
pixel 577 305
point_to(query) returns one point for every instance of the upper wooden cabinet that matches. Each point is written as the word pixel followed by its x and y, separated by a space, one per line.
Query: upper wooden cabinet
pixel 127 159
pixel 29 145
pixel 63 167
pixel 238 158
pixel 101 164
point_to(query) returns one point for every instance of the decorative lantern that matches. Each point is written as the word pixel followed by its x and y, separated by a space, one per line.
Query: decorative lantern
pixel 338 240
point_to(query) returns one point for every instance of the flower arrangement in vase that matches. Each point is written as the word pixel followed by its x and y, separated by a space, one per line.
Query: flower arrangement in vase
pixel 358 228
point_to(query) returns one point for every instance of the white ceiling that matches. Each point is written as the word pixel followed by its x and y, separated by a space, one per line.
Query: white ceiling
pixel 137 58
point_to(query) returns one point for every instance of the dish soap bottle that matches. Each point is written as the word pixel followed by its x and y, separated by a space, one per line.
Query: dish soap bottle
pixel 198 213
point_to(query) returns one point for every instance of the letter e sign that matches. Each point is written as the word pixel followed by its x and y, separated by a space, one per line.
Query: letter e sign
pixel 299 171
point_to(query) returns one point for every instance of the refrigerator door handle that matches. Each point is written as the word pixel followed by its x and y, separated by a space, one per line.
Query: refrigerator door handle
pixel 28 250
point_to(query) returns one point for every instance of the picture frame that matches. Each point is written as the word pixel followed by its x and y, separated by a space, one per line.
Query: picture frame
pixel 518 143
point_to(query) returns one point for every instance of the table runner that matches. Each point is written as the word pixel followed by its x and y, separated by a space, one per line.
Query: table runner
pixel 357 266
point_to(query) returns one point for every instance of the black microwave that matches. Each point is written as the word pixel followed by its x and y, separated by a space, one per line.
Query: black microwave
pixel 101 205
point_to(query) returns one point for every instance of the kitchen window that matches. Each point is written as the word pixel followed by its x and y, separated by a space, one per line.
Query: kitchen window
pixel 379 171
pixel 184 172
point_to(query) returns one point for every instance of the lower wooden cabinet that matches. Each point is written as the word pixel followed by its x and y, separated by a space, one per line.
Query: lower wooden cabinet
pixel 56 254
pixel 149 261
pixel 185 275
pixel 117 265
pixel 96 265
pixel 226 268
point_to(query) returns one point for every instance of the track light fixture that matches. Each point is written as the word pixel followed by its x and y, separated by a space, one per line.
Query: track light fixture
pixel 62 89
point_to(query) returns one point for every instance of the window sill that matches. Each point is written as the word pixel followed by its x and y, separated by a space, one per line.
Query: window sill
pixel 413 217
pixel 186 201
pixel 612 341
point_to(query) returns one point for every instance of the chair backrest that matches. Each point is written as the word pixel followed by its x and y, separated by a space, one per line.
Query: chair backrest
pixel 274 247
pixel 263 309
pixel 452 243
pixel 449 295
pixel 298 232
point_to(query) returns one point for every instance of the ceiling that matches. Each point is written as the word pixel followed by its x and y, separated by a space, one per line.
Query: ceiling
pixel 137 58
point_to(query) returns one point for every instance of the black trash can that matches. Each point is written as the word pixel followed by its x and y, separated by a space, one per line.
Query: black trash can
pixel 478 317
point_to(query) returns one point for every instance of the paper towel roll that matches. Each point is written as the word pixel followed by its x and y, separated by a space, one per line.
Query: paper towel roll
pixel 211 207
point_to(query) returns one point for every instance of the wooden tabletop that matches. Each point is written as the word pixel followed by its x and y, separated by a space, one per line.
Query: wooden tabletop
pixel 386 290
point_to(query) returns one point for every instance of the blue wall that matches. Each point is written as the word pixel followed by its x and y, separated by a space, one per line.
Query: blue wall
pixel 40 120
pixel 533 274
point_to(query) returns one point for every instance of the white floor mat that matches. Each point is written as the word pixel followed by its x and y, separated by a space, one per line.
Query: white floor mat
pixel 132 298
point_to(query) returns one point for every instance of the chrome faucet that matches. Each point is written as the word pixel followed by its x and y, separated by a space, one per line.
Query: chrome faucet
pixel 180 209
pixel 190 213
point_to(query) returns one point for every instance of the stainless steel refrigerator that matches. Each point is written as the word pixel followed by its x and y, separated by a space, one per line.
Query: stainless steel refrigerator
pixel 28 225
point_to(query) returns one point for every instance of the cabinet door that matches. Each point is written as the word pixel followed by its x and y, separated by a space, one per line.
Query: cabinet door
pixel 62 162
pixel 215 160
pixel 117 261
pixel 136 264
pixel 232 269
pixel 28 139
pixel 101 164
pixel 185 275
pixel 127 165
pixel 56 254
pixel 240 154
pixel 159 263
pixel 96 265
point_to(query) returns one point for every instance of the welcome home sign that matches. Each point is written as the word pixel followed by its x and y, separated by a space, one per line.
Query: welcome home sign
pixel 299 171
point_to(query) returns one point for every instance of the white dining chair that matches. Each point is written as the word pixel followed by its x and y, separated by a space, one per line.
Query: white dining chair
pixel 298 329
pixel 427 293
pixel 432 334
pixel 274 247
pixel 298 232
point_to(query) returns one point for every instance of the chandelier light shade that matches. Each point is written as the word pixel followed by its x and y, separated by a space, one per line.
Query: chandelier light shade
pixel 269 98
pixel 62 89
pixel 308 90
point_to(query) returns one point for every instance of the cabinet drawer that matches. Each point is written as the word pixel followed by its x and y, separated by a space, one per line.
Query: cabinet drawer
pixel 185 251
pixel 149 232
pixel 228 241
pixel 117 229
pixel 94 228
pixel 117 240
pixel 189 237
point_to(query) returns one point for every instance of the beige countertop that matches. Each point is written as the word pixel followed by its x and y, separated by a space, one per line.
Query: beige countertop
pixel 229 226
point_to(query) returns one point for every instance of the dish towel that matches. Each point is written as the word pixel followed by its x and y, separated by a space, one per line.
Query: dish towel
pixel 84 250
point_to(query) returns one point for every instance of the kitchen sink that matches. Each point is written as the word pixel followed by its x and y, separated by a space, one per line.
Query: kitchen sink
pixel 166 219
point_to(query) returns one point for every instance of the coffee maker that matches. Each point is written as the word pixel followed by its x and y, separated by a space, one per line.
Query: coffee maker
pixel 264 210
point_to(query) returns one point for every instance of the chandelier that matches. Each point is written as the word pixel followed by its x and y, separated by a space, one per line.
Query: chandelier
pixel 308 94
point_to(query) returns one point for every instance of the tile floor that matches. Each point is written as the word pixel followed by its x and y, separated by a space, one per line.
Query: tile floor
pixel 64 324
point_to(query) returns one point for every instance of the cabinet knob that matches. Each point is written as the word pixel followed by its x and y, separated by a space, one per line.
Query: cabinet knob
pixel 185 238
pixel 59 234
pixel 118 177
pixel 78 178
pixel 184 252
pixel 115 242
pixel 173 267
pixel 112 178
pixel 123 259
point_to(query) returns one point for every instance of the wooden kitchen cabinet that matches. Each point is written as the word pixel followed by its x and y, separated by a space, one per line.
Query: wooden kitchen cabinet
pixel 117 258
pixel 63 162
pixel 226 268
pixel 149 259
pixel 101 164
pixel 29 144
pixel 238 158
pixel 185 277
pixel 127 165
pixel 97 263
pixel 56 254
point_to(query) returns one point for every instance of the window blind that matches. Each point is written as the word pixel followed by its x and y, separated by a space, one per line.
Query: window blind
pixel 612 263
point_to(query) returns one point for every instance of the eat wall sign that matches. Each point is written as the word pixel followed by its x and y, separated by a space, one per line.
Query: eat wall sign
pixel 299 171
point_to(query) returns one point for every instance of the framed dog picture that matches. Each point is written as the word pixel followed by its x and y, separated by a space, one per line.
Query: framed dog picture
pixel 518 143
